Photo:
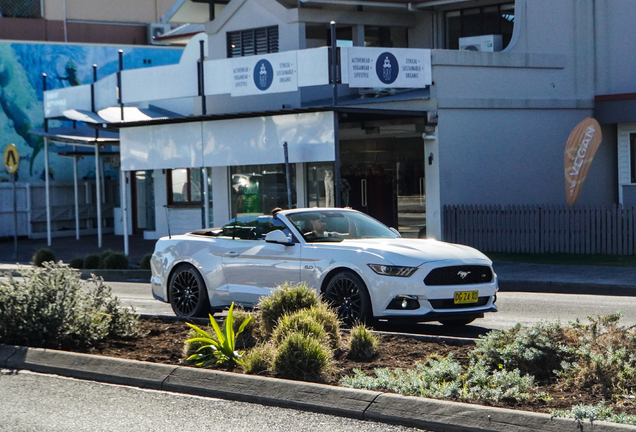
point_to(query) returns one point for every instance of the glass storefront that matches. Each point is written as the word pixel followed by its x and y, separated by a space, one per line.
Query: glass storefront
pixel 258 189
pixel 384 177
pixel 320 191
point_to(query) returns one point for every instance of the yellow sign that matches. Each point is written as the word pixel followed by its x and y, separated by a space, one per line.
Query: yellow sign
pixel 579 153
pixel 11 158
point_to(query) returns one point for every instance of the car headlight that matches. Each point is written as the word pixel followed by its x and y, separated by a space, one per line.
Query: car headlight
pixel 388 270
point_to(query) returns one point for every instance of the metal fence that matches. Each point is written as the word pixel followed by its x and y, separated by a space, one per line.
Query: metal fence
pixel 21 8
pixel 31 208
pixel 543 229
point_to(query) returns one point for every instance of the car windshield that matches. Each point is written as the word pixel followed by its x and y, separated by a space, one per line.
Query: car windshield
pixel 335 226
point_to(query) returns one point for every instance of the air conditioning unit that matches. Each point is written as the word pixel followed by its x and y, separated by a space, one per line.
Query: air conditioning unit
pixel 488 43
pixel 157 29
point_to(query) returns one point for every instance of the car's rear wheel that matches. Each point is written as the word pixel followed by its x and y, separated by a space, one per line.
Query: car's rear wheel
pixel 457 322
pixel 347 293
pixel 187 292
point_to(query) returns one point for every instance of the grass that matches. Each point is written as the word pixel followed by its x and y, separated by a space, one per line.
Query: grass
pixel 566 259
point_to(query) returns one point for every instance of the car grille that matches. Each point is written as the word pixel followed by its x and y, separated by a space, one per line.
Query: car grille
pixel 450 304
pixel 459 275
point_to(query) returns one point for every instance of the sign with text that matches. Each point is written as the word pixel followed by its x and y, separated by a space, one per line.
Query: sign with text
pixel 579 153
pixel 271 73
pixel 388 67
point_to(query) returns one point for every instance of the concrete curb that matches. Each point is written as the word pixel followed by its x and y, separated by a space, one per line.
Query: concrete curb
pixel 566 288
pixel 360 404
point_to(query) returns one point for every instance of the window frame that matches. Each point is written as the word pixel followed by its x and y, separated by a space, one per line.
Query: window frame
pixel 272 42
pixel 499 6
pixel 189 203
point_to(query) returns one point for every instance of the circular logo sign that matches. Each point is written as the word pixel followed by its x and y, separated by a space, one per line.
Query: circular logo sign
pixel 11 158
pixel 263 75
pixel 387 68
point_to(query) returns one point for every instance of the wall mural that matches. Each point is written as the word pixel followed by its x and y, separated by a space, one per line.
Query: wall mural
pixel 21 109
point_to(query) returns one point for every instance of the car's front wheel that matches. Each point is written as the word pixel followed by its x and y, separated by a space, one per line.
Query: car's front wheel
pixel 347 293
pixel 187 293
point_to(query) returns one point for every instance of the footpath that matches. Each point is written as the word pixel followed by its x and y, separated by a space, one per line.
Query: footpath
pixel 417 412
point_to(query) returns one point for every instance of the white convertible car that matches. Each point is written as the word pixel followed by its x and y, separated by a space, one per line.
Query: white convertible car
pixel 365 269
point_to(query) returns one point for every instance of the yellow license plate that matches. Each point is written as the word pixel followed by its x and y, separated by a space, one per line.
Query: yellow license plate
pixel 462 297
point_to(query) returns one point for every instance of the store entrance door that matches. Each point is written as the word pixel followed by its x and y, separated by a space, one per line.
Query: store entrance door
pixel 384 178
pixel 143 201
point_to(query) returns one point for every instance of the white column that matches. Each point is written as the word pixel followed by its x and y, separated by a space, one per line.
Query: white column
pixel 206 198
pixel 432 190
pixel 124 209
pixel 98 191
pixel 76 190
pixel 48 193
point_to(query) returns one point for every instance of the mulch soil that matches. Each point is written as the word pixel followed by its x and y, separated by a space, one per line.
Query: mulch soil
pixel 164 343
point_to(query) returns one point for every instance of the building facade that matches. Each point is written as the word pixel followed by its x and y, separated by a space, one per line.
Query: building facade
pixel 478 114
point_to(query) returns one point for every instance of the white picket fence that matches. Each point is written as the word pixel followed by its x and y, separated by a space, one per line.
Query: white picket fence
pixel 31 208
pixel 543 228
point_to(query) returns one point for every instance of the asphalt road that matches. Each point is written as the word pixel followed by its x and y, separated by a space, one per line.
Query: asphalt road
pixel 524 308
pixel 34 402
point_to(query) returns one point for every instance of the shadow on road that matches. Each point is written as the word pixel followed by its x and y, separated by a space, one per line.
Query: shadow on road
pixel 432 329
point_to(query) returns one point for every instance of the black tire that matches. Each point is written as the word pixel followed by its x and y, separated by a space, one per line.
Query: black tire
pixel 457 322
pixel 187 293
pixel 347 293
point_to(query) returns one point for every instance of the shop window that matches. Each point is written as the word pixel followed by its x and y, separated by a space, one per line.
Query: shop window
pixel 185 186
pixel 258 189
pixel 390 37
pixel 320 36
pixel 244 43
pixel 496 19
pixel 320 191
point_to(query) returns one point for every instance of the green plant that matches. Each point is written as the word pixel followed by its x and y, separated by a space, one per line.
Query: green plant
pixel 363 344
pixel 91 261
pixel 286 299
pixel 301 357
pixel 41 256
pixel 443 378
pixel 328 318
pixel 222 347
pixel 144 264
pixel 76 263
pixel 115 261
pixel 246 338
pixel 51 307
pixel 300 322
pixel 595 412
pixel 191 348
pixel 102 258
pixel 259 359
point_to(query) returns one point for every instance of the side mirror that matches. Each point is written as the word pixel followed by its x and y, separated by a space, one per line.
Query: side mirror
pixel 396 232
pixel 278 237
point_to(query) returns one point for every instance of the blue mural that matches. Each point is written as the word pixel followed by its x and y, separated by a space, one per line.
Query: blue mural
pixel 21 108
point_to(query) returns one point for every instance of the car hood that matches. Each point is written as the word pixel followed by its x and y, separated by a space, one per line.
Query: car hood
pixel 415 252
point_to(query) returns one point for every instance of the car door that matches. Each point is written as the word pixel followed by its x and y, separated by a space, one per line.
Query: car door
pixel 253 267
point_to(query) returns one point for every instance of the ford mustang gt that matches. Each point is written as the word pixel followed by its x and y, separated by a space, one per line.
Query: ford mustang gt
pixel 360 266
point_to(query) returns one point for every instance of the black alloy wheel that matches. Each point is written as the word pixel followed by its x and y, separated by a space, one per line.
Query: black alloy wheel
pixel 347 293
pixel 187 293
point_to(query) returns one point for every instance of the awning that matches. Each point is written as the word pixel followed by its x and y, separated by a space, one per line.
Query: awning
pixel 615 108
pixel 80 136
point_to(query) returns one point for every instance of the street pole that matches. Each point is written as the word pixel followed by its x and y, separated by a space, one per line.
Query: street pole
pixel 289 193
pixel 15 219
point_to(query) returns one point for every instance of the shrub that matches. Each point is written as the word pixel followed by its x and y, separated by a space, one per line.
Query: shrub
pixel 103 257
pixel 328 318
pixel 536 350
pixel 115 261
pixel 190 348
pixel 595 412
pixel 76 263
pixel 144 264
pixel 286 299
pixel 301 357
pixel 41 256
pixel 91 262
pixel 259 360
pixel 299 322
pixel 443 378
pixel 245 339
pixel 363 344
pixel 50 307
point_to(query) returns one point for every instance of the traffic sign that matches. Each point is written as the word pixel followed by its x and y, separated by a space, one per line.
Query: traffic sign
pixel 11 158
